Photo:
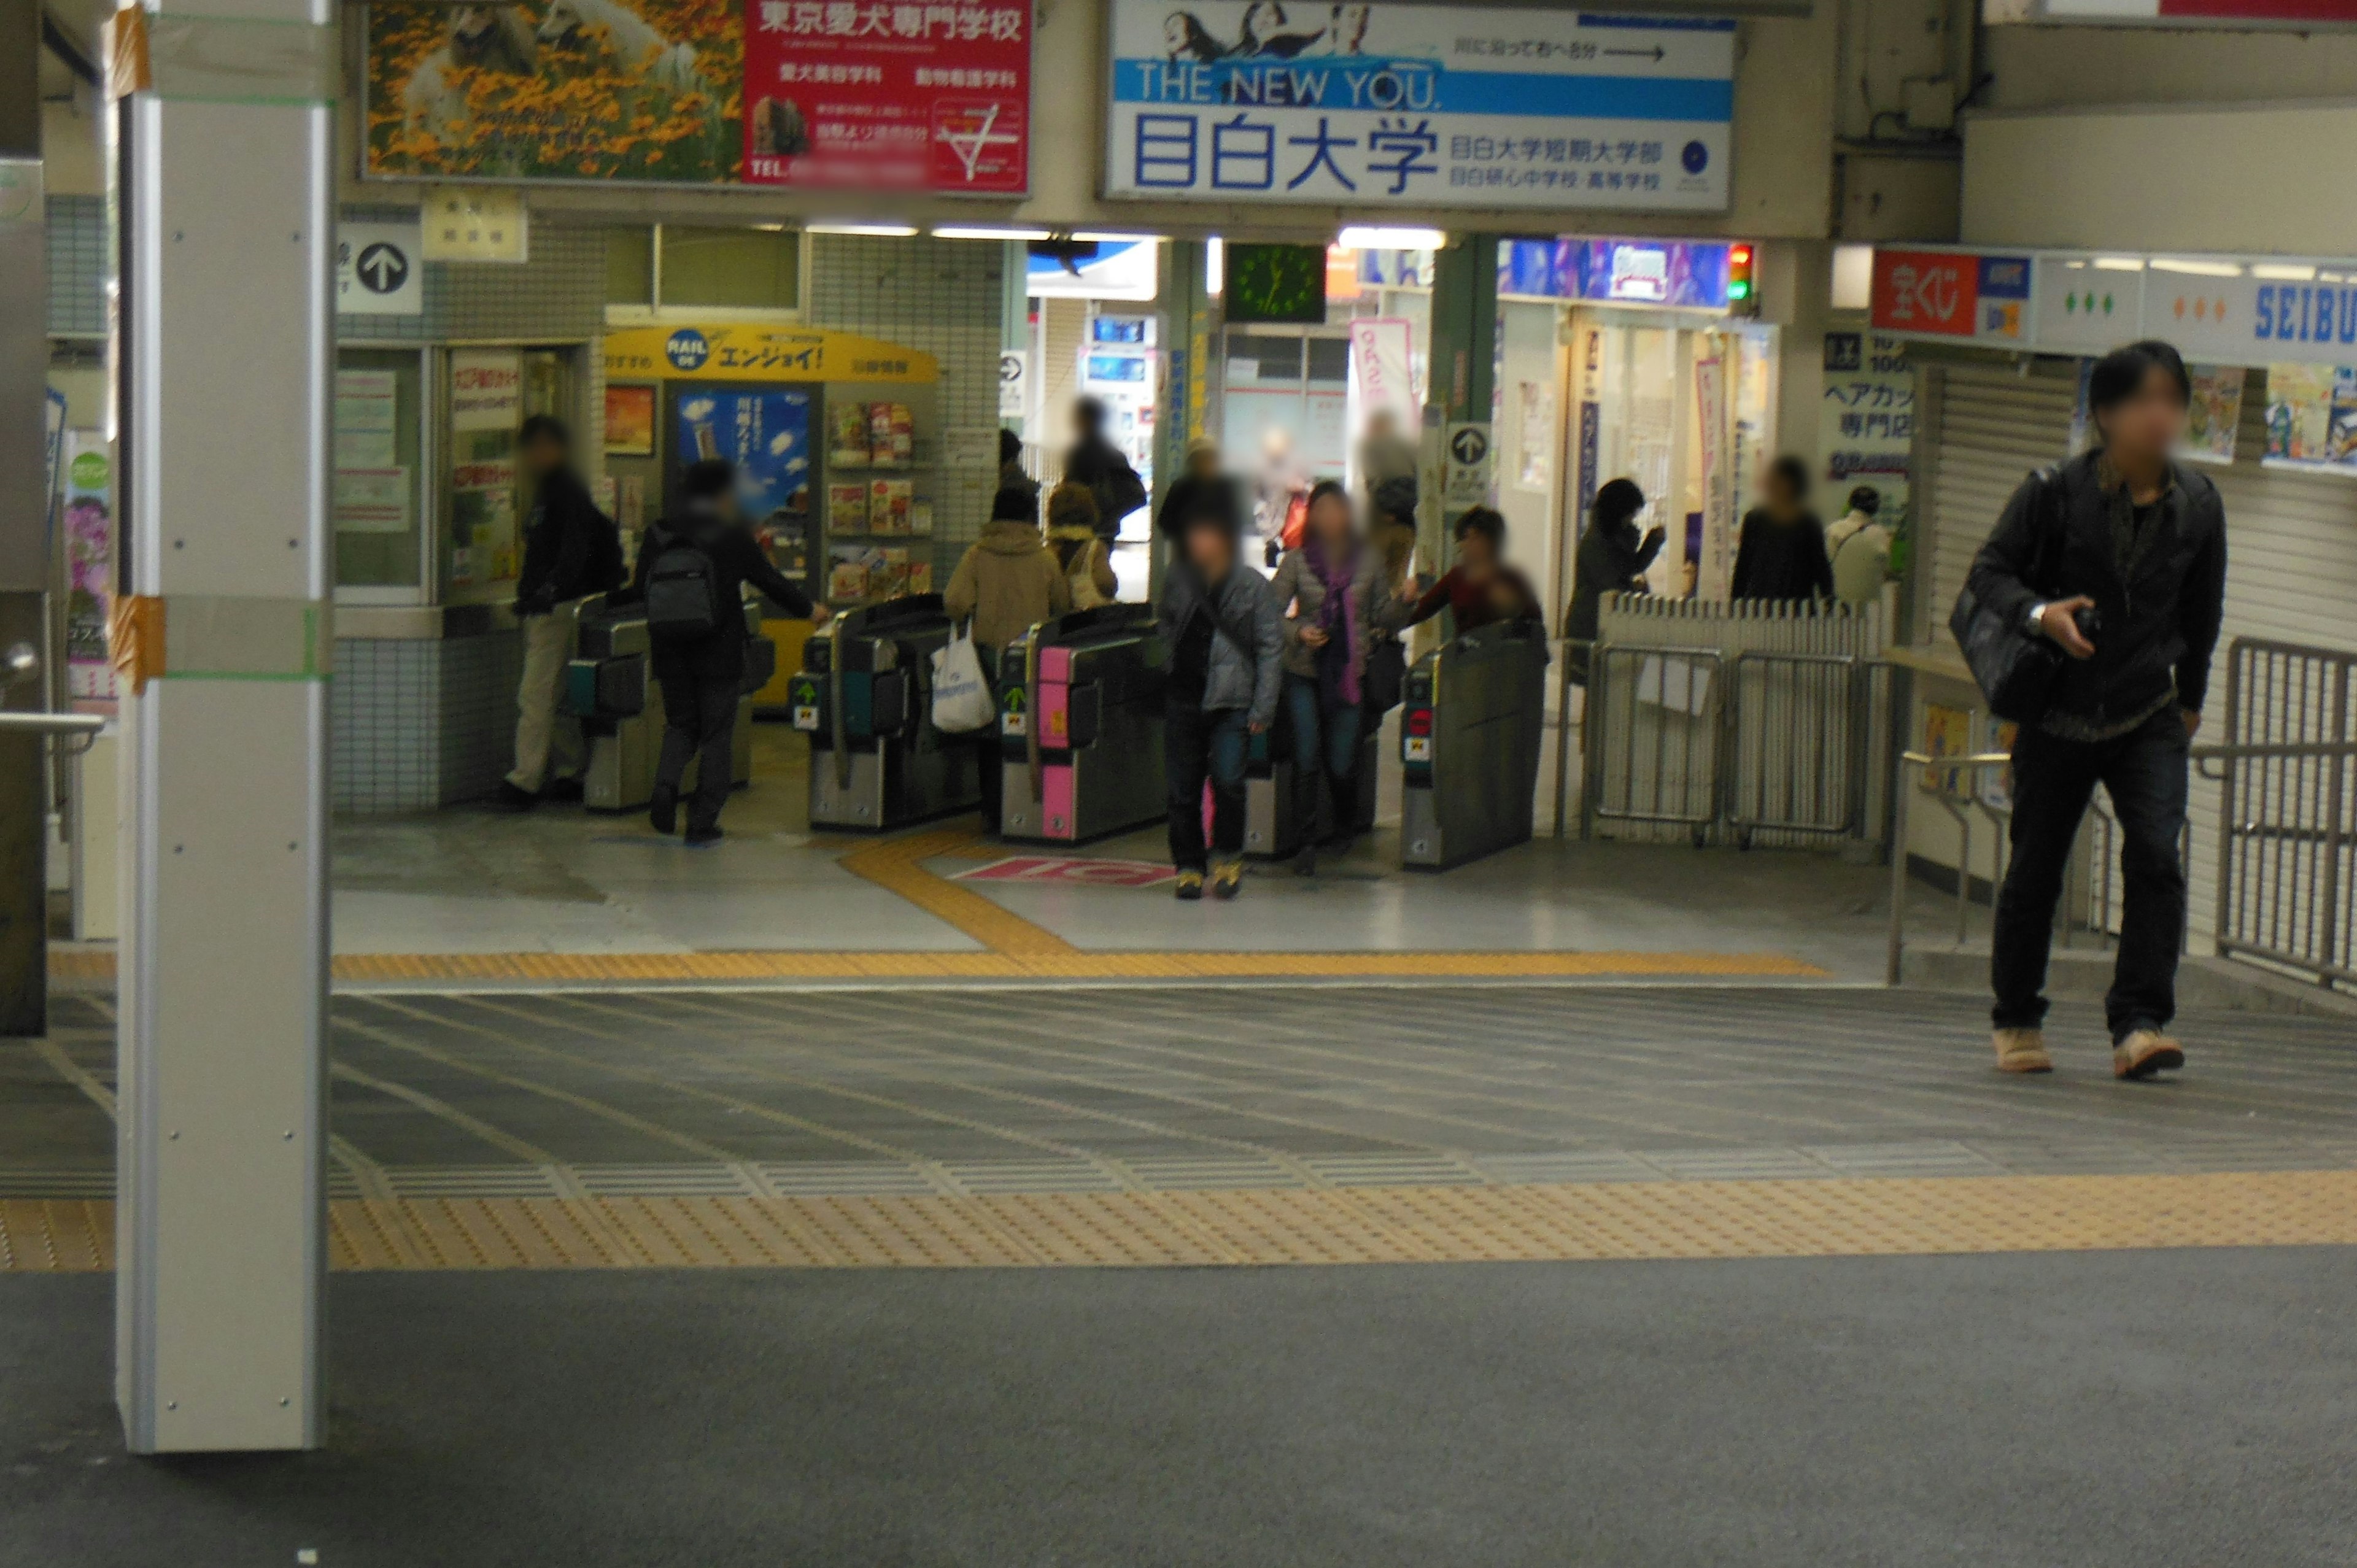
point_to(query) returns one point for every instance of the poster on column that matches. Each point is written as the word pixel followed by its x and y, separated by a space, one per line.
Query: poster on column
pixel 1866 423
pixel 766 434
pixel 2312 416
pixel 486 406
pixel 89 515
pixel 1428 105
pixel 861 94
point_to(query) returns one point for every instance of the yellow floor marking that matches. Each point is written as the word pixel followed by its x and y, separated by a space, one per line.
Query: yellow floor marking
pixel 893 864
pixel 1354 1225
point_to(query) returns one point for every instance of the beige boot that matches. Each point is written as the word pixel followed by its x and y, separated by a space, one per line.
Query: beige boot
pixel 2146 1052
pixel 2022 1051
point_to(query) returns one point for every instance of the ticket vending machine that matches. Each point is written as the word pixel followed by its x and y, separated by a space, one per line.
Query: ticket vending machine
pixel 1471 729
pixel 1081 726
pixel 864 697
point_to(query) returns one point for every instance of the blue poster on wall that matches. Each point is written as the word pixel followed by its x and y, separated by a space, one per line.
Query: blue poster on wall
pixel 766 435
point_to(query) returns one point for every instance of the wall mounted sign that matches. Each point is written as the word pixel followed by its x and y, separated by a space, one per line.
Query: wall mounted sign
pixel 718 351
pixel 1376 106
pixel 378 270
pixel 2307 15
pixel 1676 273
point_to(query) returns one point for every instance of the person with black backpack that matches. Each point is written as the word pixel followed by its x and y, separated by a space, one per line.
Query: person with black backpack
pixel 570 550
pixel 2108 574
pixel 691 577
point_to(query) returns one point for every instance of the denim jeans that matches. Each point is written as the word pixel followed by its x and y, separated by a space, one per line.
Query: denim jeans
pixel 1325 760
pixel 699 723
pixel 2145 773
pixel 1199 744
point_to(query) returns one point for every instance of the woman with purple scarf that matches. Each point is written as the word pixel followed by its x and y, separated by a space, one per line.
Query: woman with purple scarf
pixel 1331 583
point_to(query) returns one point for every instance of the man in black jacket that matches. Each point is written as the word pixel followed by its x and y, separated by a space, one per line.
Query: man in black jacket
pixel 1095 462
pixel 701 676
pixel 2140 540
pixel 570 548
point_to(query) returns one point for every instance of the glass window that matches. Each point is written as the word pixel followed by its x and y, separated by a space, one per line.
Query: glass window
pixel 379 488
pixel 746 269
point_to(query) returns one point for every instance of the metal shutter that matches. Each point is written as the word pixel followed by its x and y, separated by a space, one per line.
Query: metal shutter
pixel 1995 427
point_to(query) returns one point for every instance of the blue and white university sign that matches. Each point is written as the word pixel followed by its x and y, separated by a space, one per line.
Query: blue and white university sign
pixel 1418 105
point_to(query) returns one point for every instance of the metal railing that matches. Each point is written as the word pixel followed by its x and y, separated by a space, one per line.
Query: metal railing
pixel 1657 713
pixel 2286 886
pixel 1902 791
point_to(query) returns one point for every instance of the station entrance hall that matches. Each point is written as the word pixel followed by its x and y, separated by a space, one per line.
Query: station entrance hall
pixel 1111 783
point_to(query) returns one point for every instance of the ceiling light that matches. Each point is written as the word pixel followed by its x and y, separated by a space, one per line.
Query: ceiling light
pixel 958 234
pixel 1094 239
pixel 2199 269
pixel 2282 271
pixel 2120 264
pixel 853 226
pixel 1363 239
pixel 1215 266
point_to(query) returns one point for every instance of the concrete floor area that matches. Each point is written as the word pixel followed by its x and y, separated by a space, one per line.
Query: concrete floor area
pixel 2133 1409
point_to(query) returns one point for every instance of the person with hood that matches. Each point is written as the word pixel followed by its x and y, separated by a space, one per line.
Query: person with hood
pixel 1226 641
pixel 570 550
pixel 1086 561
pixel 1612 560
pixel 1096 464
pixel 1783 555
pixel 1860 547
pixel 1008 581
pixel 1334 582
pixel 691 577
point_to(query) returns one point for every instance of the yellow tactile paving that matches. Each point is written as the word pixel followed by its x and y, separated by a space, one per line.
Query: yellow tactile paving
pixel 894 864
pixel 1365 1225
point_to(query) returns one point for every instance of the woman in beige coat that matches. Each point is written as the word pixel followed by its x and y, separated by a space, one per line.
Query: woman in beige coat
pixel 1008 582
pixel 1072 535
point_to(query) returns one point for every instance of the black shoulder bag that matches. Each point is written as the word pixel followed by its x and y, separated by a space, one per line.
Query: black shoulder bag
pixel 2016 671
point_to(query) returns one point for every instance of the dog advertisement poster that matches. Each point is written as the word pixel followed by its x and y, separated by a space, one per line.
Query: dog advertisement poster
pixel 863 94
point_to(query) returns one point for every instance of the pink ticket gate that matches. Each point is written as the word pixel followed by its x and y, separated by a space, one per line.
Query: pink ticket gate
pixel 1081 726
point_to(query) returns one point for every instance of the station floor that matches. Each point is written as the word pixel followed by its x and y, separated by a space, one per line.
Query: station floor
pixel 561 896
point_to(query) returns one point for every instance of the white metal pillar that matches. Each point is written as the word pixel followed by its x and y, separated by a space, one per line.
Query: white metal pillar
pixel 224 182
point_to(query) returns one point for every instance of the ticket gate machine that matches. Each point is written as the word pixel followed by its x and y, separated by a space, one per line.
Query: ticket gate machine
pixel 1080 725
pixel 864 696
pixel 609 687
pixel 1270 827
pixel 1470 730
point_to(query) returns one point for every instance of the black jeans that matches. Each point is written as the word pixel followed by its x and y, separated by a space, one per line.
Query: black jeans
pixel 2145 773
pixel 1325 760
pixel 699 721
pixel 1199 744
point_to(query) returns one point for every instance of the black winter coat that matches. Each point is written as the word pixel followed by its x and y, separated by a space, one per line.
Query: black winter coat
pixel 736 559
pixel 2160 623
pixel 570 548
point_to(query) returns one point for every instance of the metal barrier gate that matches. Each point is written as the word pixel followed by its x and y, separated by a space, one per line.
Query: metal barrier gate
pixel 2287 885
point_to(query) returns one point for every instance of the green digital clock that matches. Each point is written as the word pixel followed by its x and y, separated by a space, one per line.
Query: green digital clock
pixel 1275 283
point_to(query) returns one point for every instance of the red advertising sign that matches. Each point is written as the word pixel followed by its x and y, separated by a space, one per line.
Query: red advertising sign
pixel 872 95
pixel 1925 290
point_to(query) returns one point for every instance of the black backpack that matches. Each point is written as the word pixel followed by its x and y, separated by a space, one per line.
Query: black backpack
pixel 682 589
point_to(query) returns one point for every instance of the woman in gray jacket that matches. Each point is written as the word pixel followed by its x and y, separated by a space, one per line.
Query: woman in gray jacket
pixel 1333 584
pixel 1225 638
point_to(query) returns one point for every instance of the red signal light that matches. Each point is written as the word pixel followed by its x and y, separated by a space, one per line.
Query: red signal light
pixel 1419 721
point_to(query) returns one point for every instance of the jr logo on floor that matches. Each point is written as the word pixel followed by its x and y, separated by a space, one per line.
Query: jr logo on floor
pixel 1065 868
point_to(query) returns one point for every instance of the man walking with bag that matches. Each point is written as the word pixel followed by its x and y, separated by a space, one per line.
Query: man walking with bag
pixel 2119 558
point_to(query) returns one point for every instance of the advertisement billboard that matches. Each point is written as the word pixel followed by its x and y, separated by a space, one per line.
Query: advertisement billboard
pixel 1953 293
pixel 1424 105
pixel 863 94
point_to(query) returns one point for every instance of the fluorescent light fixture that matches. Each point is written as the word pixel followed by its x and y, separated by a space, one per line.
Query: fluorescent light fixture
pixel 1215 266
pixel 1094 239
pixel 2199 269
pixel 2076 266
pixel 853 226
pixel 1367 239
pixel 1853 287
pixel 2282 271
pixel 2120 264
pixel 770 228
pixel 958 234
pixel 2330 277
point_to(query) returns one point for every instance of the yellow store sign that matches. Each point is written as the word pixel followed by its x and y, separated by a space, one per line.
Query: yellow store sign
pixel 742 352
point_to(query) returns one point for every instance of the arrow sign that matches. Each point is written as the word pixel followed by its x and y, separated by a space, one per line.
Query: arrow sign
pixel 1469 446
pixel 382 268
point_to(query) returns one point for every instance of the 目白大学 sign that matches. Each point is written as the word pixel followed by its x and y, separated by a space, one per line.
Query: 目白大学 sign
pixel 1429 106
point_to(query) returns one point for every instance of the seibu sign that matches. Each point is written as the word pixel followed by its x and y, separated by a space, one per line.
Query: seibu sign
pixel 2216 310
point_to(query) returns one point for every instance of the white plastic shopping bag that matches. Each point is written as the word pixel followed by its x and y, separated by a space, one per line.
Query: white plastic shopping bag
pixel 961 700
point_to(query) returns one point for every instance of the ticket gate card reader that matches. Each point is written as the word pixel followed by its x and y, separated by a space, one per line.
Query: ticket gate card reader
pixel 1471 726
pixel 1080 725
pixel 610 687
pixel 1272 827
pixel 864 696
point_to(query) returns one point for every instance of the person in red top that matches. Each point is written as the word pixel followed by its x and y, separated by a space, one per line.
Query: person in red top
pixel 1481 588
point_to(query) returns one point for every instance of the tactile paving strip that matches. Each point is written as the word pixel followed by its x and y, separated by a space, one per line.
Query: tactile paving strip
pixel 1840 1218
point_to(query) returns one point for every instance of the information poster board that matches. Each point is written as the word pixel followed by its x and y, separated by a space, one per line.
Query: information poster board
pixel 818 93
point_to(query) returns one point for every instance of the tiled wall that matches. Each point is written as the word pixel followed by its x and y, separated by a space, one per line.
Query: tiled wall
pixel 942 296
pixel 414 724
pixel 77 266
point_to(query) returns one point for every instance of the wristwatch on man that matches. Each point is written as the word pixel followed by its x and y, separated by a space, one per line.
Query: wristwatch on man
pixel 2037 620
